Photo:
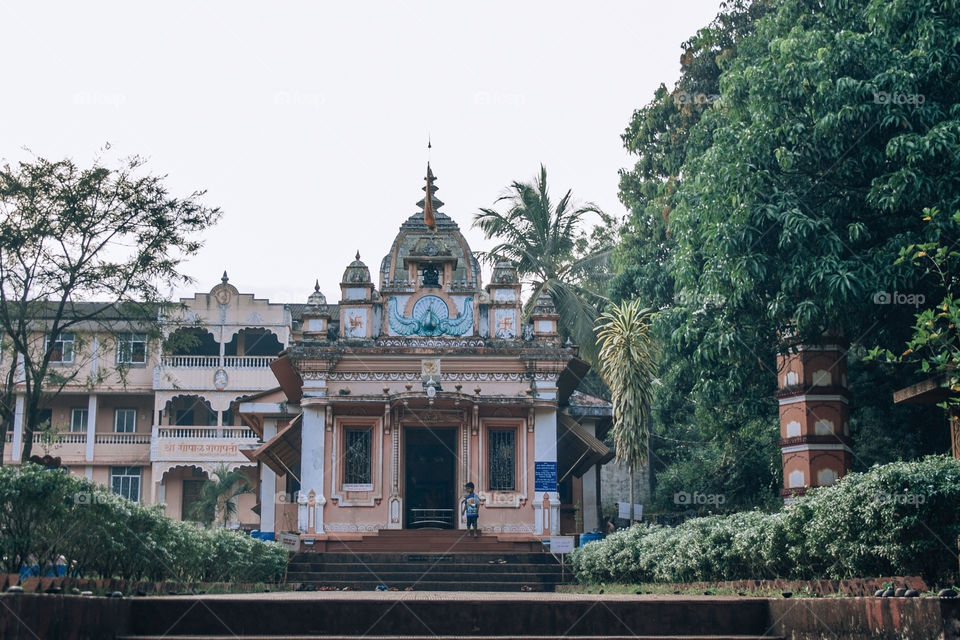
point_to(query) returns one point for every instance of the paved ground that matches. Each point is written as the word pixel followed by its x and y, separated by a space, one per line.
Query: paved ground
pixel 454 596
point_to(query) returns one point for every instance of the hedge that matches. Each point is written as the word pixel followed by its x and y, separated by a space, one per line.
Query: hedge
pixel 48 513
pixel 897 519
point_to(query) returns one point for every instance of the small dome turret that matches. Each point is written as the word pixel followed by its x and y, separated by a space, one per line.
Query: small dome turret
pixel 317 298
pixel 504 273
pixel 356 272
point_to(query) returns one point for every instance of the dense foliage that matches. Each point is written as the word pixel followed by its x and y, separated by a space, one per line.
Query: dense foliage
pixel 896 519
pixel 773 191
pixel 45 514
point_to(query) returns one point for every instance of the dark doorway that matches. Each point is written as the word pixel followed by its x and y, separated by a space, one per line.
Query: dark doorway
pixel 431 477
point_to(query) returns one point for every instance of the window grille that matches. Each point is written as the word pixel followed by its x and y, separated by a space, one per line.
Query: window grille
pixel 502 457
pixel 357 456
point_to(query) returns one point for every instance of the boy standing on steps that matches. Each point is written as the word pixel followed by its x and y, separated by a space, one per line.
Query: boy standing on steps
pixel 471 507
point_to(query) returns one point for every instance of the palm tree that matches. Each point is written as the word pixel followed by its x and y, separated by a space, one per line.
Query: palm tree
pixel 217 497
pixel 552 254
pixel 628 366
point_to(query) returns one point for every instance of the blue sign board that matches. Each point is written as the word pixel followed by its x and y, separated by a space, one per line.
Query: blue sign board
pixel 545 476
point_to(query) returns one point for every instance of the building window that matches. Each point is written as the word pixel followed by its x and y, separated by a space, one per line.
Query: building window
pixel 78 419
pixel 61 347
pixel 503 449
pixel 132 348
pixel 357 456
pixel 125 481
pixel 124 420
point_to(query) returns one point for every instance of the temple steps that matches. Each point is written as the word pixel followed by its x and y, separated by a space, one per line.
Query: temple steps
pixel 427 572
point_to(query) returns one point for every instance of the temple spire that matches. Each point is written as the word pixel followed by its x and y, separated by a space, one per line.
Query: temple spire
pixel 428 217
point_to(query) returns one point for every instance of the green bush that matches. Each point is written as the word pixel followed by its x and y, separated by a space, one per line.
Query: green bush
pixel 898 519
pixel 48 513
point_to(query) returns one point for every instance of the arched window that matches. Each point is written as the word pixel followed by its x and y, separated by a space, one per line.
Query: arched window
pixel 253 342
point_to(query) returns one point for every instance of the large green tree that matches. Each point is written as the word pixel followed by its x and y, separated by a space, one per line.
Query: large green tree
pixel 703 438
pixel 837 124
pixel 553 253
pixel 782 214
pixel 70 235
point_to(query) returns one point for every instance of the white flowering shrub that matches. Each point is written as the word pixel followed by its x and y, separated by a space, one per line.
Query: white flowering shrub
pixel 898 519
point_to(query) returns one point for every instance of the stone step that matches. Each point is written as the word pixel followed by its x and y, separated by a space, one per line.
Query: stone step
pixel 302 560
pixel 447 587
pixel 367 574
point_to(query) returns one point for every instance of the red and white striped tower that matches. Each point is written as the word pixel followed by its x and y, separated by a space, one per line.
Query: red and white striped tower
pixel 814 415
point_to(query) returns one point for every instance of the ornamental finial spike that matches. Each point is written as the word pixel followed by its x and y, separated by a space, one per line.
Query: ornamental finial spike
pixel 224 279
pixel 358 254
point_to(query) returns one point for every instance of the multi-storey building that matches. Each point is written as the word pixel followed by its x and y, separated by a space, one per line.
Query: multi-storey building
pixel 367 414
pixel 153 422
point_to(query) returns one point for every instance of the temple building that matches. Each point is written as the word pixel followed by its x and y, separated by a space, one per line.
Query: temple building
pixel 393 398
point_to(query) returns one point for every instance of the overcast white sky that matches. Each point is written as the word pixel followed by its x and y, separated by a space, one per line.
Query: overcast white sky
pixel 307 123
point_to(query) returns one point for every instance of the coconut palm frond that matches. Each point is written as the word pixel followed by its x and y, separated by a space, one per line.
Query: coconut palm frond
pixel 544 241
pixel 627 356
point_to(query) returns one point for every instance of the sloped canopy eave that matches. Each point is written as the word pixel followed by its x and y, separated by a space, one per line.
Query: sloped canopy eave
pixel 580 450
pixel 282 452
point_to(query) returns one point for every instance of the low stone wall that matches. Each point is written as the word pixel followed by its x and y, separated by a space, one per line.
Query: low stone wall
pixel 27 616
pixel 866 618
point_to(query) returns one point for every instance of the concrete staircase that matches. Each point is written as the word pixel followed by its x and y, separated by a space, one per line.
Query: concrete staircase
pixel 428 560
pixel 427 571
pixel 445 616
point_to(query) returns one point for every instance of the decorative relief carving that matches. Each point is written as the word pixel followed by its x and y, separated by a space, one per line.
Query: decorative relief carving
pixel 413 343
pixel 401 376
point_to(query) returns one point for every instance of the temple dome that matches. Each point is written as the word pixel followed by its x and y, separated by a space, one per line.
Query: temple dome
pixel 444 243
pixel 356 272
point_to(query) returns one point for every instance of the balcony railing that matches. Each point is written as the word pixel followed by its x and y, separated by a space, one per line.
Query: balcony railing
pixel 180 433
pixel 122 438
pixel 214 362
pixel 81 438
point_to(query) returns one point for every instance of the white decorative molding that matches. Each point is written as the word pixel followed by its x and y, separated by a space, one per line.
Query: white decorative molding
pixel 509 528
pixel 795 479
pixel 793 429
pixel 351 527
